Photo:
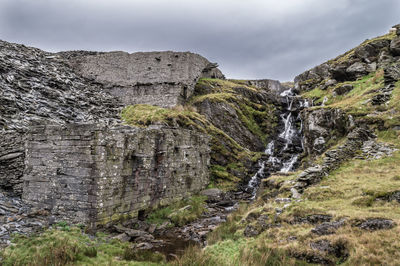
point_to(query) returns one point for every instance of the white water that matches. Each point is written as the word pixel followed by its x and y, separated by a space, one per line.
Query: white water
pixel 288 166
pixel 270 148
pixel 288 133
pixel 255 180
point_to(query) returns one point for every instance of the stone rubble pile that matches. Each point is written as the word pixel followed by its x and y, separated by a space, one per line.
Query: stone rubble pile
pixel 19 218
pixel 333 158
pixel 372 150
pixel 391 76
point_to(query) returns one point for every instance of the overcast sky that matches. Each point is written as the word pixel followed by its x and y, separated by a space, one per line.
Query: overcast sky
pixel 249 39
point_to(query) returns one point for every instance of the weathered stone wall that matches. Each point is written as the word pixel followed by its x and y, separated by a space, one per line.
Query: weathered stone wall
pixel 11 160
pixel 88 174
pixel 157 78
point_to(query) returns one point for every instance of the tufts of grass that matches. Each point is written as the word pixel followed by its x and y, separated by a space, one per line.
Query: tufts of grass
pixel 56 246
pixel 195 256
pixel 229 229
pixel 143 115
pixel 143 255
pixel 53 247
pixel 178 216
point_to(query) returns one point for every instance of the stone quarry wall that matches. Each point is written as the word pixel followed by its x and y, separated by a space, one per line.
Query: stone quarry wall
pixel 268 84
pixel 11 160
pixel 97 175
pixel 39 87
pixel 156 78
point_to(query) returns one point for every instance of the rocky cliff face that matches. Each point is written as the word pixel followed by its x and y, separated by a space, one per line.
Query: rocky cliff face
pixel 38 87
pixel 157 78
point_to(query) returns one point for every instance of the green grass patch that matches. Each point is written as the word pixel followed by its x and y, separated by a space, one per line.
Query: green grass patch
pixel 176 215
pixel 56 246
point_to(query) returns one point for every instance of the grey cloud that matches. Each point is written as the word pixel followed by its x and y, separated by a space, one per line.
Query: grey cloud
pixel 249 39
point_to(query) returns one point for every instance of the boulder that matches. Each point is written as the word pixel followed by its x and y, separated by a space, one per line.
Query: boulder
pixel 384 57
pixel 337 249
pixel 392 73
pixel 212 194
pixel 250 231
pixel 319 144
pixel 395 46
pixel 369 52
pixel 122 237
pixel 328 83
pixel 343 89
pixel 132 232
pixel 357 69
pixel 325 122
pixel 313 219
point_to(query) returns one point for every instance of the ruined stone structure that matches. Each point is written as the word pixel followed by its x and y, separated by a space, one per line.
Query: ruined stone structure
pixel 164 79
pixel 61 144
pixel 95 175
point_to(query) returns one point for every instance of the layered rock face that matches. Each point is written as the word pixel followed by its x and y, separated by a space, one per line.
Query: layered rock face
pixel 39 87
pixel 96 175
pixel 164 79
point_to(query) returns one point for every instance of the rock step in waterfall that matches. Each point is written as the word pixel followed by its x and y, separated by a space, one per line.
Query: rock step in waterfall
pixel 284 151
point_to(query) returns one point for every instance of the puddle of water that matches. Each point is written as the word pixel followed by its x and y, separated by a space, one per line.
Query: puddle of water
pixel 173 247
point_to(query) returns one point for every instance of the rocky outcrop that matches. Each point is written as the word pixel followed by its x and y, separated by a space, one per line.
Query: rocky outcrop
pixel 164 79
pixel 391 76
pixel 395 46
pixel 269 85
pixel 366 58
pixel 374 224
pixel 226 117
pixel 97 175
pixel 321 126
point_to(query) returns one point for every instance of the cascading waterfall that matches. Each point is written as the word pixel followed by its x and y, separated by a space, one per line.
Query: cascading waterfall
pixel 285 151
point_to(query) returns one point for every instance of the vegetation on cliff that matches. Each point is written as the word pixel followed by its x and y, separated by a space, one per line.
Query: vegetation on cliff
pixel 247 118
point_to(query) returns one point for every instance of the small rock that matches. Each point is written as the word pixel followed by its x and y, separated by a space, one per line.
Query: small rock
pixel 122 237
pixel 327 228
pixel 282 200
pixel 374 224
pixel 250 231
pixel 345 88
pixel 295 193
pixel 152 228
pixel 144 245
pixel 212 194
